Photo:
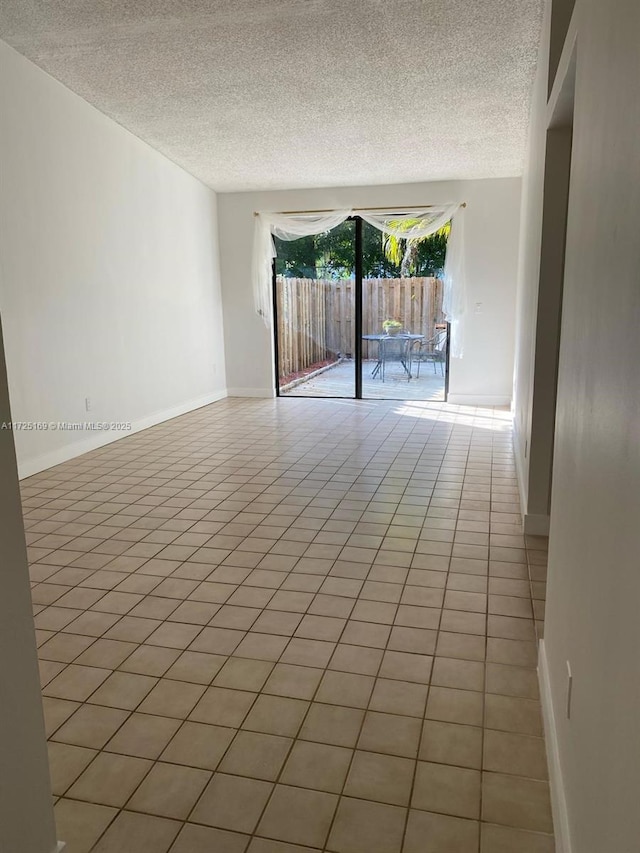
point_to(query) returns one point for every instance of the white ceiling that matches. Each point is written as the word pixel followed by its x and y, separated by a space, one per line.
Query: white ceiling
pixel 275 94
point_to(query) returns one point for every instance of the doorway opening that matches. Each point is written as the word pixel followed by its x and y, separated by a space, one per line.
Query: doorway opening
pixel 359 315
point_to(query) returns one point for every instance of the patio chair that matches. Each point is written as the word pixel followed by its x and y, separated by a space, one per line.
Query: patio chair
pixel 434 350
pixel 394 349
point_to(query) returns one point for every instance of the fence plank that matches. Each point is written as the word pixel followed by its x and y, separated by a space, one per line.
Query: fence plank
pixel 316 317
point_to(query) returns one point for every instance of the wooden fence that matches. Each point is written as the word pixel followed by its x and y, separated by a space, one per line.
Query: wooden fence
pixel 316 317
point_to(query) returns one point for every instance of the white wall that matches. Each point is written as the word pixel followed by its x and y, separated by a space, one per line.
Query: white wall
pixel 109 282
pixel 593 597
pixel 26 805
pixel 484 374
pixel 529 270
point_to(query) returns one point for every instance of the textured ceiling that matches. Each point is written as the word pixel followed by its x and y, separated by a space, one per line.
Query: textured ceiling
pixel 266 94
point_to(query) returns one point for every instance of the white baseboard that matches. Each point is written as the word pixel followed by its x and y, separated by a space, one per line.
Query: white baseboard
pixel 60 846
pixel 478 400
pixel 558 801
pixel 268 393
pixel 536 525
pixel 27 467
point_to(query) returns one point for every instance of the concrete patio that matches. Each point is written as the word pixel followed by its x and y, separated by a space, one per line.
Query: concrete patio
pixel 339 381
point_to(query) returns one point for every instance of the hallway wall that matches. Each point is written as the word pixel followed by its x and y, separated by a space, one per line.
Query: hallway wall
pixel 484 374
pixel 109 284
pixel 594 547
pixel 26 806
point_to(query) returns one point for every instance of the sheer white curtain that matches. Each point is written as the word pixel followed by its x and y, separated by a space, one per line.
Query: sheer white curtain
pixel 285 226
pixel 420 223
pixel 411 223
pixel 406 225
pixel 454 298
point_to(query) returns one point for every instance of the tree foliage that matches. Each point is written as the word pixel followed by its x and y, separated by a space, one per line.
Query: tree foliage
pixel 331 255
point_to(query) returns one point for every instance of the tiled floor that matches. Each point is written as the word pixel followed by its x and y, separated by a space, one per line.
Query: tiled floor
pixel 279 626
pixel 339 381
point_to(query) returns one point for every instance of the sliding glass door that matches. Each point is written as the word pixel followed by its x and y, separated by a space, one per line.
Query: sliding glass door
pixel 314 307
pixel 358 314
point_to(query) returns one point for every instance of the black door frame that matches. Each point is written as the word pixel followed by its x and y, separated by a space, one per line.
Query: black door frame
pixel 358 295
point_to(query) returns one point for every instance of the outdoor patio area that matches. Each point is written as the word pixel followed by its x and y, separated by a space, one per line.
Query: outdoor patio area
pixel 339 381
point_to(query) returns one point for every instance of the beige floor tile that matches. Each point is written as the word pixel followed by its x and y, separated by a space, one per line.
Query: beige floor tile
pixel 416 640
pixel 513 714
pixel 345 688
pixel 56 711
pixel 522 755
pixel 81 824
pixel 511 628
pixel 266 845
pixel 66 763
pixel 196 667
pixel 512 681
pixel 198 745
pixel 446 789
pixel 76 682
pixel 110 779
pixel 331 605
pixel 504 839
pixel 223 707
pixel 356 659
pixel 172 699
pixel 296 682
pixel 232 802
pixel 108 654
pixel 513 801
pixel 91 726
pixel 417 616
pixel 261 542
pixel 298 816
pixel 318 766
pixel 276 715
pixel 383 778
pixel 438 833
pixel 132 629
pixel 308 652
pixel 461 646
pixel 137 833
pixel 463 622
pixel 399 697
pixel 174 635
pixel 277 622
pixel 449 743
pixel 241 618
pixel 516 652
pixel 391 734
pixel 169 790
pixel 461 674
pixel 194 612
pixel 367 634
pixel 265 647
pixel 243 674
pixel 320 627
pixel 366 827
pixel 455 706
pixel 143 736
pixel 204 839
pixel 259 756
pixel 123 690
pixel 406 666
pixel 332 724
pixel 64 647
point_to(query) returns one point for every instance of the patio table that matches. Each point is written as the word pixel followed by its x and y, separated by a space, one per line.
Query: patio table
pixel 406 336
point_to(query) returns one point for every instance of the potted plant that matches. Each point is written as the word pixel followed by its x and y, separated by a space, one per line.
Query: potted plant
pixel 391 327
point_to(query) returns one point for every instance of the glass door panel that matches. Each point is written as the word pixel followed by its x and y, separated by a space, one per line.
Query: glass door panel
pixel 404 334
pixel 315 314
